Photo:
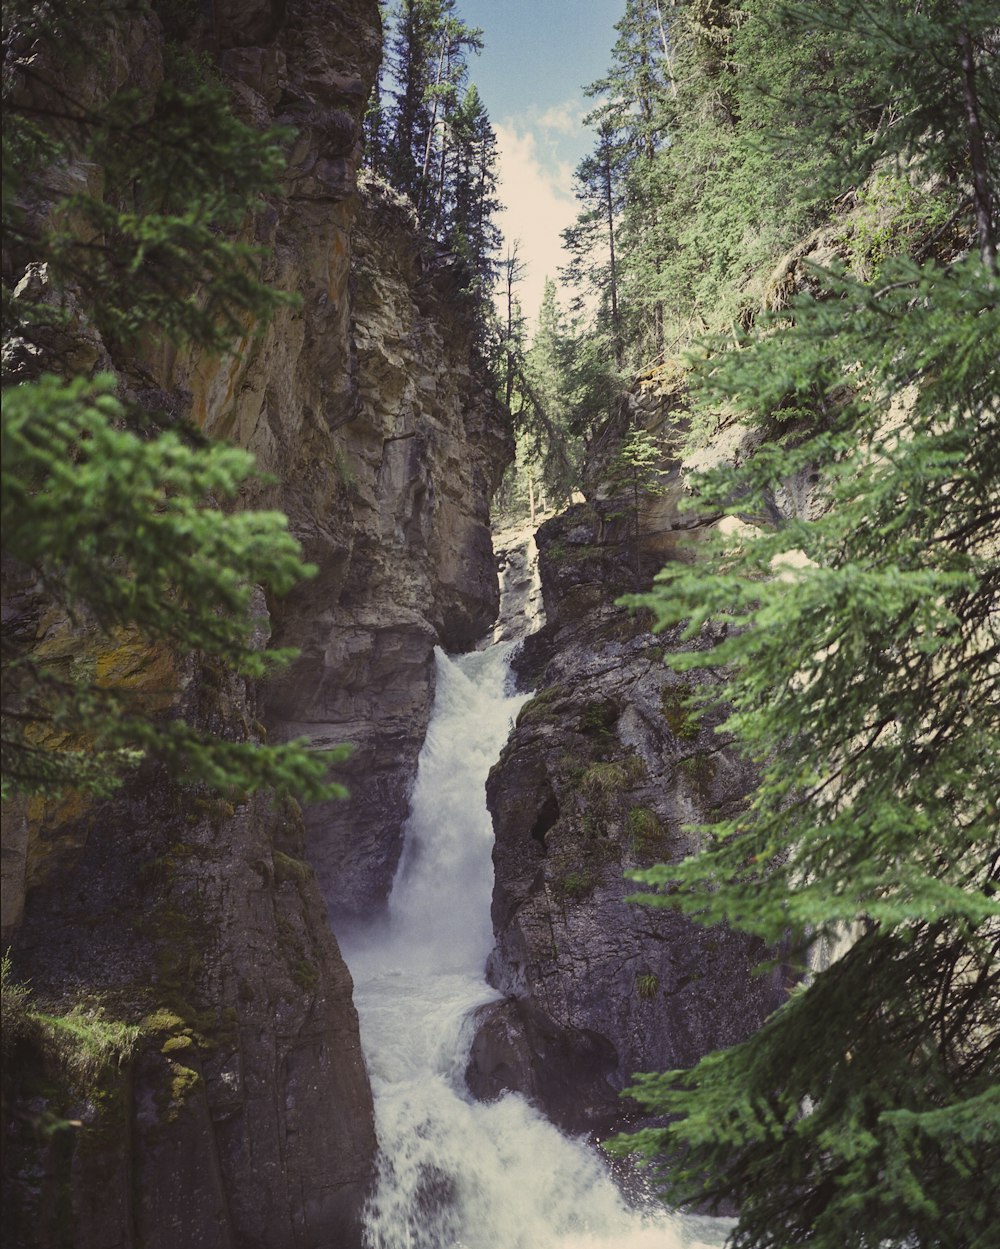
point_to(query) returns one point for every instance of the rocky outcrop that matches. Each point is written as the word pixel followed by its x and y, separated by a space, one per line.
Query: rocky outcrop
pixel 241 1116
pixel 406 560
pixel 605 768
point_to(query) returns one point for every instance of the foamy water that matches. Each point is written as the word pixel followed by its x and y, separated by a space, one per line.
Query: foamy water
pixel 455 1173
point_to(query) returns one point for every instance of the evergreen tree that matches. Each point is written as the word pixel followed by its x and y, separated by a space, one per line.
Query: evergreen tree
pixel 592 239
pixel 632 96
pixel 472 232
pixel 442 153
pixel 556 443
pixel 428 64
pixel 863 657
pixel 120 526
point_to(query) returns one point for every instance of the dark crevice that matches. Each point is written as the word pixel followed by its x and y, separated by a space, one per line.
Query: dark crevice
pixel 547 816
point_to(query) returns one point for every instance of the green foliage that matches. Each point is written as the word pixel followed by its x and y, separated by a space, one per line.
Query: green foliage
pixel 643 827
pixel 893 216
pixel 429 134
pixel 128 533
pixel 604 778
pixel 13 1005
pixel 681 713
pixel 647 984
pixel 153 249
pixel 576 885
pixel 862 654
pixel 287 867
pixel 542 707
pixel 83 1043
pixel 123 527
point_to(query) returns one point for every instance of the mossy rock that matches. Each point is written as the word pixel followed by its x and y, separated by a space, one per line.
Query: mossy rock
pixel 177 1044
pixel 699 770
pixel 305 975
pixel 604 777
pixel 287 867
pixel 645 830
pixel 598 718
pixel 647 985
pixel 681 716
pixel 575 885
pixel 185 1082
pixel 541 708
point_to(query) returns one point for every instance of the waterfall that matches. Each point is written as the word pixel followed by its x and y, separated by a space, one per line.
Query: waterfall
pixel 455 1173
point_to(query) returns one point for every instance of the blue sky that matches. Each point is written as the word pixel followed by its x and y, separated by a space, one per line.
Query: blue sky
pixel 539 55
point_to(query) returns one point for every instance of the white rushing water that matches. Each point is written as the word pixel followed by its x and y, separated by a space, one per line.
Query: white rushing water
pixel 455 1173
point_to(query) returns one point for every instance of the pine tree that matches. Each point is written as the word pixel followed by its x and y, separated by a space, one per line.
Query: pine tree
pixel 863 657
pixel 595 234
pixel 122 526
pixel 632 96
pixel 428 64
pixel 472 232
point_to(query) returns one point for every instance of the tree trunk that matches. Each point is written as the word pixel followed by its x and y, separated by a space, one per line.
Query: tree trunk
pixel 977 156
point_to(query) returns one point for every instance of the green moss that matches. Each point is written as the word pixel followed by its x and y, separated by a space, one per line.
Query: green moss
pixel 604 778
pixel 305 974
pixel 598 718
pixel 184 1082
pixel 643 827
pixel 611 776
pixel 174 1044
pixel 576 884
pixel 162 1020
pixel 541 707
pixel 679 712
pixel 85 1042
pixel 288 868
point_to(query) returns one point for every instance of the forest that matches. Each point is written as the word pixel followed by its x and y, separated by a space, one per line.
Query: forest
pixel 786 231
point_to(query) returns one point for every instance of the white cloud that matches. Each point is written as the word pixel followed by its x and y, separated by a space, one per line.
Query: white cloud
pixel 537 191
pixel 564 118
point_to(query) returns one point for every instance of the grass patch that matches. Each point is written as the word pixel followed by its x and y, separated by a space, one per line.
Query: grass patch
pixel 84 1042
pixel 644 828
pixel 598 718
pixel 575 885
pixel 14 1012
pixel 604 778
pixel 287 867
pixel 680 712
pixel 647 984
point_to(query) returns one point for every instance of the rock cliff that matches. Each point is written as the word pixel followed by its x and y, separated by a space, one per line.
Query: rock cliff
pixel 240 1113
pixel 406 562
pixel 605 767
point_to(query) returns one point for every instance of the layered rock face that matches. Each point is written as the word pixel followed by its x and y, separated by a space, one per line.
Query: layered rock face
pixel 605 767
pixel 407 561
pixel 244 1116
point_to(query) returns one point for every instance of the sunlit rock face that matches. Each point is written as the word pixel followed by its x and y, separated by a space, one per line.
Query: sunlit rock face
pixel 603 771
pixel 405 556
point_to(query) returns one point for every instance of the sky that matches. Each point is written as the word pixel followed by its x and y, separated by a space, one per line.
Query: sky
pixel 538 56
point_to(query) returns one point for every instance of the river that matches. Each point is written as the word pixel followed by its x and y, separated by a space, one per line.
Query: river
pixel 455 1173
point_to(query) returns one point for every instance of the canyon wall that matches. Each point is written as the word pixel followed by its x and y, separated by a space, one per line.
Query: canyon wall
pixel 606 768
pixel 241 1116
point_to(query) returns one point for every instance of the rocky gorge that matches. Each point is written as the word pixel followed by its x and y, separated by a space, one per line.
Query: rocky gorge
pixel 608 764
pixel 241 1113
